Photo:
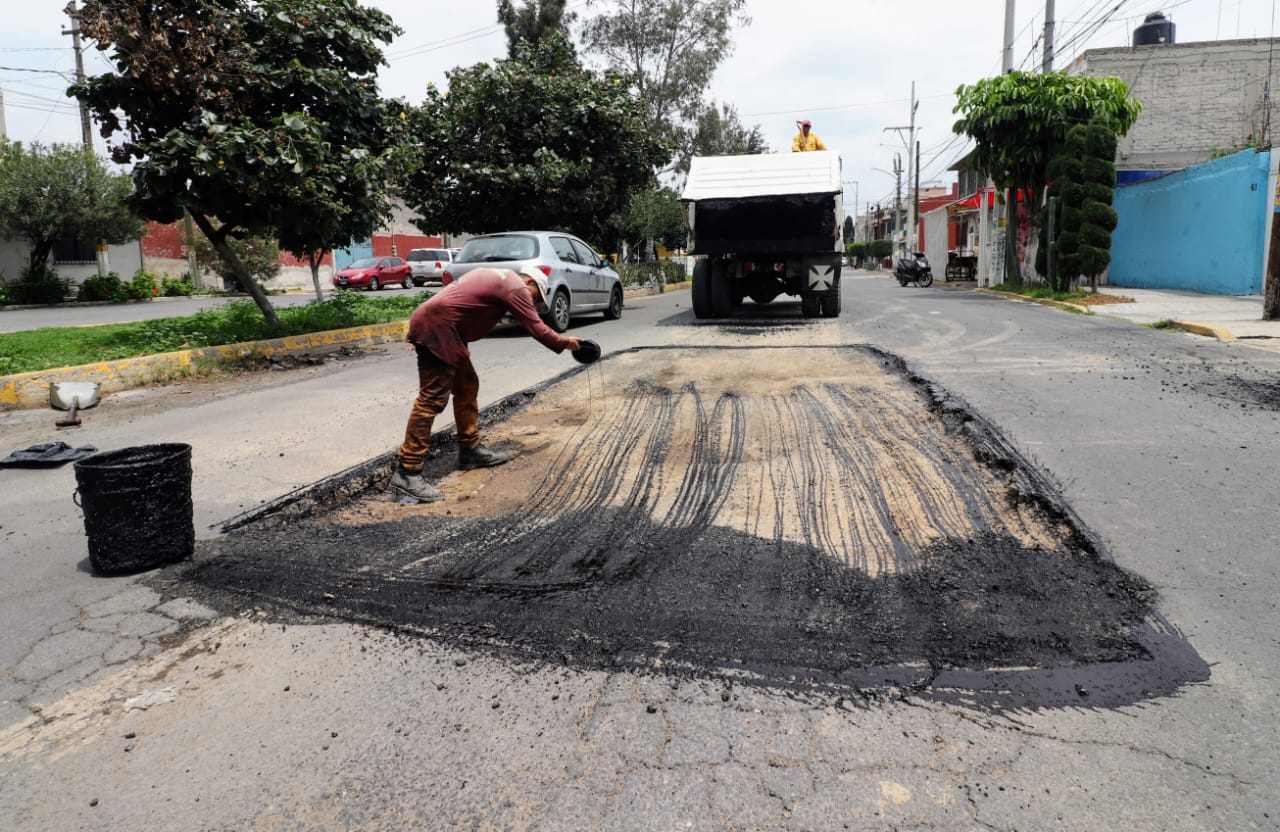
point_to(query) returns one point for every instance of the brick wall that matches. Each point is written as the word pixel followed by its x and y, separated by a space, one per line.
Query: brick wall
pixel 1199 100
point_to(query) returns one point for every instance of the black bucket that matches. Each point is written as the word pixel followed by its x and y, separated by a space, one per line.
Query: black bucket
pixel 137 507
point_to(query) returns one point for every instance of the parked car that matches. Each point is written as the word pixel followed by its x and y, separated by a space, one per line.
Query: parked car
pixel 373 273
pixel 428 264
pixel 579 280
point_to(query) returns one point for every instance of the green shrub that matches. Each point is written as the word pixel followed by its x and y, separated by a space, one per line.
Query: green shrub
pixel 39 286
pixel 177 287
pixel 143 286
pixel 108 287
pixel 651 273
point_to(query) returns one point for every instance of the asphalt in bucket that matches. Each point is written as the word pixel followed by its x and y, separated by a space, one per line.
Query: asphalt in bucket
pixel 858 533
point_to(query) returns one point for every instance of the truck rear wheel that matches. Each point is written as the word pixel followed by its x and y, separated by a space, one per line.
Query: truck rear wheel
pixel 810 304
pixel 701 289
pixel 721 290
pixel 830 301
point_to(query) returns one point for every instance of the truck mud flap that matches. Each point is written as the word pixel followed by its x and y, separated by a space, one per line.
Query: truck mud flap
pixel 821 277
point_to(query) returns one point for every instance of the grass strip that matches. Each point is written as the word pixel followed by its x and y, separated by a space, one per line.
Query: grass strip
pixel 237 321
pixel 1084 298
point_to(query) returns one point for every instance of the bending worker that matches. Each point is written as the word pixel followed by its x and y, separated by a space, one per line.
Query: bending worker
pixel 806 140
pixel 440 330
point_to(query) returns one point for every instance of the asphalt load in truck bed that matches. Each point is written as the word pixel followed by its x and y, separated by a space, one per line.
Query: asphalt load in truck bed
pixel 814 519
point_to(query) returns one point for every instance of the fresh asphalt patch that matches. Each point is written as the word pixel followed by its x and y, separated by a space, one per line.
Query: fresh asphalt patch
pixel 815 520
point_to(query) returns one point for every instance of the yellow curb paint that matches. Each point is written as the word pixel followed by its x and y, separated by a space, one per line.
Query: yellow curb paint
pixel 32 389
pixel 1208 330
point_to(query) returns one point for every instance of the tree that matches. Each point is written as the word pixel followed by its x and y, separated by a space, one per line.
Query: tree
pixel 535 141
pixel 233 109
pixel 1018 120
pixel 348 194
pixel 655 215
pixel 260 256
pixel 532 21
pixel 848 230
pixel 879 249
pixel 61 192
pixel 717 131
pixel 668 49
pixel 1083 178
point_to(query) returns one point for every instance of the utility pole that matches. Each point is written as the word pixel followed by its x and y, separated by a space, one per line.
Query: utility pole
pixel 86 127
pixel 897 193
pixel 3 133
pixel 1006 62
pixel 1046 65
pixel 909 142
pixel 915 213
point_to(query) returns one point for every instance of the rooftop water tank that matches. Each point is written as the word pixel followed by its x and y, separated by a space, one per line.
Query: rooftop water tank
pixel 1155 29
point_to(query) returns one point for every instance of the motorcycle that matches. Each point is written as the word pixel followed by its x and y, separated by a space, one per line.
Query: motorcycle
pixel 914 270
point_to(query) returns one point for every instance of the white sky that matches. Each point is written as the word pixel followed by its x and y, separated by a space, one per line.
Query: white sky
pixel 847 66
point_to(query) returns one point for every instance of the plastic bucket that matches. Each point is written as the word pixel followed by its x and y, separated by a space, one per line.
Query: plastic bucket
pixel 137 507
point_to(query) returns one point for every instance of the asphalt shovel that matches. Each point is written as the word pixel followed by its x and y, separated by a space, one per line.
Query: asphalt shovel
pixel 73 396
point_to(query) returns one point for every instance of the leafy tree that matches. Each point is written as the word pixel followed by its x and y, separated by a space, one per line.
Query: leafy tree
pixel 535 141
pixel 235 109
pixel 61 192
pixel 1083 177
pixel 348 194
pixel 532 21
pixel 1018 120
pixel 848 230
pixel 668 49
pixel 717 131
pixel 654 215
pixel 260 256
pixel 879 249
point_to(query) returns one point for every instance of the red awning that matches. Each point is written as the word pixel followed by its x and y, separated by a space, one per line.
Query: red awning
pixel 972 201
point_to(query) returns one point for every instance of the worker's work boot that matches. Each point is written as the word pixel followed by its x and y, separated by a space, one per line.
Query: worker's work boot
pixel 480 457
pixel 413 485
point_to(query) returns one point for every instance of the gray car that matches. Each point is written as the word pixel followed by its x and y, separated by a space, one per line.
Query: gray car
pixel 579 280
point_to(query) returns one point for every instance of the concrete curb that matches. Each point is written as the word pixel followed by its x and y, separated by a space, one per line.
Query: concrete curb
pixel 1208 330
pixel 32 389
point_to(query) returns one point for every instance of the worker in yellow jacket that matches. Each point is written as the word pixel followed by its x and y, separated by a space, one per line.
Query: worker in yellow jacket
pixel 806 140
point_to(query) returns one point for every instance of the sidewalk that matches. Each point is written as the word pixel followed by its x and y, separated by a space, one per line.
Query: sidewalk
pixel 1224 317
pixel 1229 317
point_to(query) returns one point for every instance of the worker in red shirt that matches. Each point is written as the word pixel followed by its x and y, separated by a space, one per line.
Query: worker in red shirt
pixel 440 330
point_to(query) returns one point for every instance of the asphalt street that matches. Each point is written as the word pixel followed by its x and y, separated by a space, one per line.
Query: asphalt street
pixel 131 705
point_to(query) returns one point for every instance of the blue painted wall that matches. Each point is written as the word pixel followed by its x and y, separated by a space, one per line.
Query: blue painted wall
pixel 1201 229
pixel 346 256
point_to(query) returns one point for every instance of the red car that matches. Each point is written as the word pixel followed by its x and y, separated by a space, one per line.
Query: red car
pixel 373 273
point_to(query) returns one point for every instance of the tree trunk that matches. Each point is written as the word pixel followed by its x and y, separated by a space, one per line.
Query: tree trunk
pixel 38 257
pixel 1271 279
pixel 217 237
pixel 314 260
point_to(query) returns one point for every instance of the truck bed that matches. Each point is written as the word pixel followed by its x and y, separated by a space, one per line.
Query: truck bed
pixel 765 225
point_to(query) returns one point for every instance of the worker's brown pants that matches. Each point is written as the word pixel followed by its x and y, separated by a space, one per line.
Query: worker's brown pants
pixel 436 382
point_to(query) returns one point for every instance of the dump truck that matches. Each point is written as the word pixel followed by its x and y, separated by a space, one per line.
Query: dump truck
pixel 765 225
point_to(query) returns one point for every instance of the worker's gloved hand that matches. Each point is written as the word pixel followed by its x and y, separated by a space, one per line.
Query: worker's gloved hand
pixel 573 344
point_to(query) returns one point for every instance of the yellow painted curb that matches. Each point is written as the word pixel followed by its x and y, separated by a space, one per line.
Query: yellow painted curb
pixel 32 389
pixel 1208 330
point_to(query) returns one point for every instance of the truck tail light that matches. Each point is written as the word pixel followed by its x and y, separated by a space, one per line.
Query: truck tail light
pixel 748 266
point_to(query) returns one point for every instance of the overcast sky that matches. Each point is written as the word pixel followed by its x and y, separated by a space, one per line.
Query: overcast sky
pixel 847 66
